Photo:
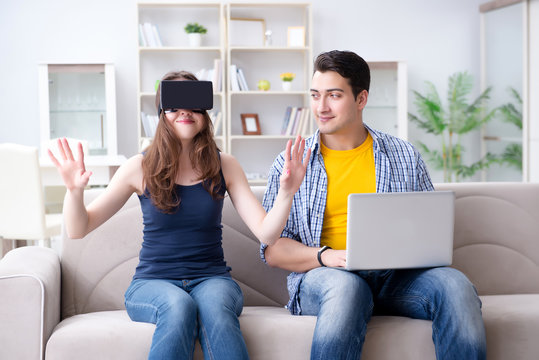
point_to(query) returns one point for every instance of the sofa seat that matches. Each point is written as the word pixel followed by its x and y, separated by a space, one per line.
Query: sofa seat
pixel 112 335
pixel 509 321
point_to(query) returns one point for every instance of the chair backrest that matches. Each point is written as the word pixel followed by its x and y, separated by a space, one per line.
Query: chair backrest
pixel 497 236
pixel 22 208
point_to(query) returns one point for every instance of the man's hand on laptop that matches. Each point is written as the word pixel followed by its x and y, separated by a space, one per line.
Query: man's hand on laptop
pixel 334 258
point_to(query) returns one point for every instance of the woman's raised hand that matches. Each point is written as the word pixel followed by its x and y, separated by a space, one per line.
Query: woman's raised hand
pixel 73 171
pixel 295 165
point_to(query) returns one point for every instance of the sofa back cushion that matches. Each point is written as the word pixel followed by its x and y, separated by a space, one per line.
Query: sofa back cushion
pixel 496 246
pixel 497 235
pixel 97 269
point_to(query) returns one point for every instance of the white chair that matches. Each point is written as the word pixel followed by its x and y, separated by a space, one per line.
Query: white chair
pixel 22 207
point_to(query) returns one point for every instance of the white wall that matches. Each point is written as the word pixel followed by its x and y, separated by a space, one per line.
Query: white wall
pixel 435 37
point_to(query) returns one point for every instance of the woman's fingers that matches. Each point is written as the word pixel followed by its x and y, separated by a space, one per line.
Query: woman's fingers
pixel 81 157
pixel 53 158
pixel 287 153
pixel 67 149
pixel 61 149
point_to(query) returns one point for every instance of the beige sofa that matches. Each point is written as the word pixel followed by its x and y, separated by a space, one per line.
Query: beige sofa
pixel 72 308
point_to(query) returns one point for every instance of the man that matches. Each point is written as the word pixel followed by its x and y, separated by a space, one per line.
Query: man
pixel 349 157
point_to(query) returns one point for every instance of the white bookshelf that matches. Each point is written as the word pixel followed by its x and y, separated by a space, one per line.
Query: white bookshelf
pixel 266 61
pixel 176 54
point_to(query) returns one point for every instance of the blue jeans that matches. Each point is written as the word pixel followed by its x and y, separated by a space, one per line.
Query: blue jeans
pixel 184 309
pixel 345 301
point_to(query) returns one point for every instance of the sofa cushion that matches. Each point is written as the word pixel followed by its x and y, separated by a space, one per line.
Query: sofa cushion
pixel 510 321
pixel 270 333
pixel 512 325
pixel 496 227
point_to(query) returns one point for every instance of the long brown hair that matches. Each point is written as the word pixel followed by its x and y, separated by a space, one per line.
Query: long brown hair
pixel 160 165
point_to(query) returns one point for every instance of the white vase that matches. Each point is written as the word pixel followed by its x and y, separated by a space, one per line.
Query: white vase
pixel 287 85
pixel 195 39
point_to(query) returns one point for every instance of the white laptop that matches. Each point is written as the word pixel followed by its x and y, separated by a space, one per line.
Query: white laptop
pixel 400 230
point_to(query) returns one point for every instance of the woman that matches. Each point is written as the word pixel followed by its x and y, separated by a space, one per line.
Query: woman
pixel 182 283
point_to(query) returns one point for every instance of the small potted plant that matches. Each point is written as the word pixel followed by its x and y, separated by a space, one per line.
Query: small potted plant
pixel 286 79
pixel 195 31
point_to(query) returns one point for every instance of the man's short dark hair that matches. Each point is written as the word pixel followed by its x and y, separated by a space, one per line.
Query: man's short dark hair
pixel 349 65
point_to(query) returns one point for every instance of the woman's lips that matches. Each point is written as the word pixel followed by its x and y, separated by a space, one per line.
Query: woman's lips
pixel 185 121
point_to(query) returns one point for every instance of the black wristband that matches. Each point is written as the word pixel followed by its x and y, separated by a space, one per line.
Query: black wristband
pixel 319 256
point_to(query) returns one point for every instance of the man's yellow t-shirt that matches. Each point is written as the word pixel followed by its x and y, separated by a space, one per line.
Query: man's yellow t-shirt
pixel 348 171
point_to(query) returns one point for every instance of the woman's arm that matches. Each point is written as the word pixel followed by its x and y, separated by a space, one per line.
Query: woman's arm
pixel 80 220
pixel 266 227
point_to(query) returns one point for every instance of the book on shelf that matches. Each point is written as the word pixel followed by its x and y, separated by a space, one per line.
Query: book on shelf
pixel 305 121
pixel 214 75
pixel 217 74
pixel 157 35
pixel 286 119
pixel 233 73
pixel 149 123
pixel 242 81
pixel 217 120
pixel 291 120
pixel 141 37
pixel 149 35
pixel 296 120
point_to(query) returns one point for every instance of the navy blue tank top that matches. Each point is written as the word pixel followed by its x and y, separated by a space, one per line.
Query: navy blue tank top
pixel 186 244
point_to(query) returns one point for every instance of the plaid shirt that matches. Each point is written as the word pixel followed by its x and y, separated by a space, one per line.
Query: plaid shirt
pixel 398 166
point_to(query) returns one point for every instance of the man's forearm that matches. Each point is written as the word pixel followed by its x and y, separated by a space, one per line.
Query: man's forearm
pixel 292 255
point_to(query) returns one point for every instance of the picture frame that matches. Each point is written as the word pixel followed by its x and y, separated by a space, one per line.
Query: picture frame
pixel 246 32
pixel 250 124
pixel 296 36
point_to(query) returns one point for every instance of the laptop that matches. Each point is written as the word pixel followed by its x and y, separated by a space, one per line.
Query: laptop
pixel 400 230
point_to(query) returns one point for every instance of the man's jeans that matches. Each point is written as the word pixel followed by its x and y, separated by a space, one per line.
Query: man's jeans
pixel 344 302
pixel 208 307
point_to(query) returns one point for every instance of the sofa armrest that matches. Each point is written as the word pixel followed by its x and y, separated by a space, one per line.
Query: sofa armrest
pixel 29 301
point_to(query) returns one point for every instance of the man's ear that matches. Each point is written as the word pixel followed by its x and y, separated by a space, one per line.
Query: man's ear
pixel 361 99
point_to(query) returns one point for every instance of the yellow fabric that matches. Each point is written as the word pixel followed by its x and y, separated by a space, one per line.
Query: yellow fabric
pixel 349 171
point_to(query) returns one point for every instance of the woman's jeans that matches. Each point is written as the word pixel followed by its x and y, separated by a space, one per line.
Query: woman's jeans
pixel 182 310
pixel 344 302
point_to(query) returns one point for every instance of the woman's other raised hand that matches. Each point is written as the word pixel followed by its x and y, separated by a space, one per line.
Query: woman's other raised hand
pixel 295 165
pixel 72 171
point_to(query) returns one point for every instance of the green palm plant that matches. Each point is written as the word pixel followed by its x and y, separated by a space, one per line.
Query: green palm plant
pixel 450 123
pixel 512 154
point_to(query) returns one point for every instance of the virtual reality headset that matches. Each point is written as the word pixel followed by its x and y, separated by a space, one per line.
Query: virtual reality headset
pixel 186 94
